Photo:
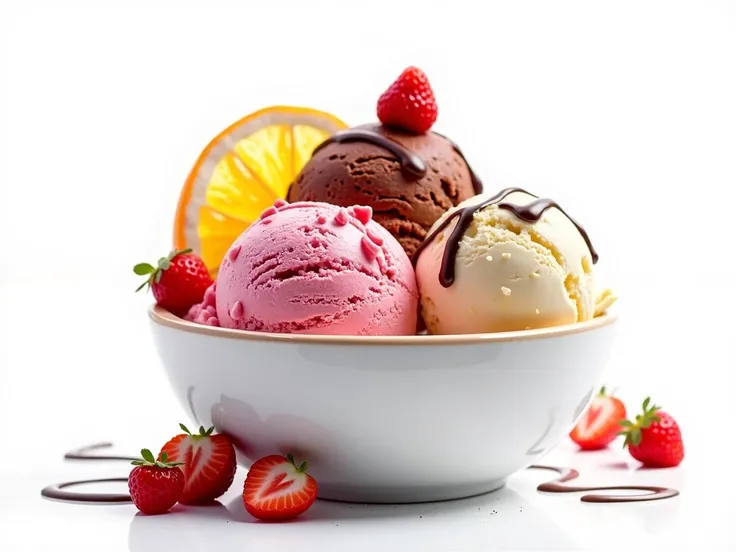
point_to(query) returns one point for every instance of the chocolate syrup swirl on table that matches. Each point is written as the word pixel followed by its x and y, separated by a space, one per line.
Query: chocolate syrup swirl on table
pixel 567 474
pixel 410 161
pixel 84 453
pixel 531 212
pixel 57 491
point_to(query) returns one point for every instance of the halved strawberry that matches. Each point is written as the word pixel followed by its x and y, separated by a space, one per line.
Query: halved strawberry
pixel 209 464
pixel 276 489
pixel 599 425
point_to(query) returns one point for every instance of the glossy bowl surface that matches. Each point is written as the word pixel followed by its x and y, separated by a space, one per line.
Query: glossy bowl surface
pixel 389 419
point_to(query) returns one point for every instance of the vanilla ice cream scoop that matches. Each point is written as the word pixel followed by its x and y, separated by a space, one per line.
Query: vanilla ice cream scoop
pixel 503 262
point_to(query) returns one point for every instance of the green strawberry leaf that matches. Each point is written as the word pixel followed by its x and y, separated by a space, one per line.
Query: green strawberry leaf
pixel 148 456
pixel 141 269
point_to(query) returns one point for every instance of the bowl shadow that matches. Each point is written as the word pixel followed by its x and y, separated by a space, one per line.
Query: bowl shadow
pixel 333 510
pixel 499 520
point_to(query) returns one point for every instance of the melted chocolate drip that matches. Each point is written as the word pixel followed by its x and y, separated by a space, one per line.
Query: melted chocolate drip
pixel 530 213
pixel 477 184
pixel 568 474
pixel 410 161
pixel 57 491
pixel 533 211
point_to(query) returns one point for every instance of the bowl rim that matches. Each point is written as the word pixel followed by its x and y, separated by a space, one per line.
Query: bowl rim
pixel 162 317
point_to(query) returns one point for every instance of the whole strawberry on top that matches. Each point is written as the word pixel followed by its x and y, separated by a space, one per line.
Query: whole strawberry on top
pixel 178 280
pixel 155 485
pixel 207 461
pixel 408 174
pixel 409 102
pixel 600 423
pixel 277 489
pixel 654 437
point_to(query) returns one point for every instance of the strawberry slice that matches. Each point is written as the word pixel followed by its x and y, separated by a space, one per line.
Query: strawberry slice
pixel 276 489
pixel 209 464
pixel 599 425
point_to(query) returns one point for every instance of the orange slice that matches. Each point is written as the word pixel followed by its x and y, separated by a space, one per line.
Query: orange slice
pixel 241 172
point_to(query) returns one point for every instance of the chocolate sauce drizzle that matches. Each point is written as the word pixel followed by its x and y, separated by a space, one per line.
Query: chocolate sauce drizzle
pixel 531 212
pixel 410 162
pixel 57 491
pixel 568 474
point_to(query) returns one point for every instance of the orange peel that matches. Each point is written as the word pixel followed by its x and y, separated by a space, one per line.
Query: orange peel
pixel 241 172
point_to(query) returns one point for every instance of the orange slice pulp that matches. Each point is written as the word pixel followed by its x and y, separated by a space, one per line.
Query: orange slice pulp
pixel 241 172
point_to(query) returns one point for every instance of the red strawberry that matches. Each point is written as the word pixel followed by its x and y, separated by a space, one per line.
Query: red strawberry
pixel 409 102
pixel 178 281
pixel 155 486
pixel 600 424
pixel 654 438
pixel 276 489
pixel 208 464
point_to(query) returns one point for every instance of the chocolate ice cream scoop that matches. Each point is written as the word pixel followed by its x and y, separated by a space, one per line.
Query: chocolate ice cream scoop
pixel 408 179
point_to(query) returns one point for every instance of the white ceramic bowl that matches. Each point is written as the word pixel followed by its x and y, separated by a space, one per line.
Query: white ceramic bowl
pixel 389 419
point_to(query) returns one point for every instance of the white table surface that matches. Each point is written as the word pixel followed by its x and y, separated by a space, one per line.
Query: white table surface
pixel 625 113
pixel 76 383
pixel 514 518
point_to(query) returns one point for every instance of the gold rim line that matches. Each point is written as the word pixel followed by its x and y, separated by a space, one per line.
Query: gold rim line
pixel 163 317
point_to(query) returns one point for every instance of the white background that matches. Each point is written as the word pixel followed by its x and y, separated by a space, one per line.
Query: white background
pixel 625 112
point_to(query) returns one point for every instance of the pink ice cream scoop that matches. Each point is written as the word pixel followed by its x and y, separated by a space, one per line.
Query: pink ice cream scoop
pixel 319 269
pixel 205 312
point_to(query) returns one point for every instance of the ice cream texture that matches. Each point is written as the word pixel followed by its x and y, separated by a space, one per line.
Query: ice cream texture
pixel 316 268
pixel 408 179
pixel 206 311
pixel 507 273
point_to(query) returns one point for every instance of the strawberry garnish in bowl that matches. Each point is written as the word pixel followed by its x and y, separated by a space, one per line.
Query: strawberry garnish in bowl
pixel 654 437
pixel 600 423
pixel 178 280
pixel 155 485
pixel 277 489
pixel 408 103
pixel 208 463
